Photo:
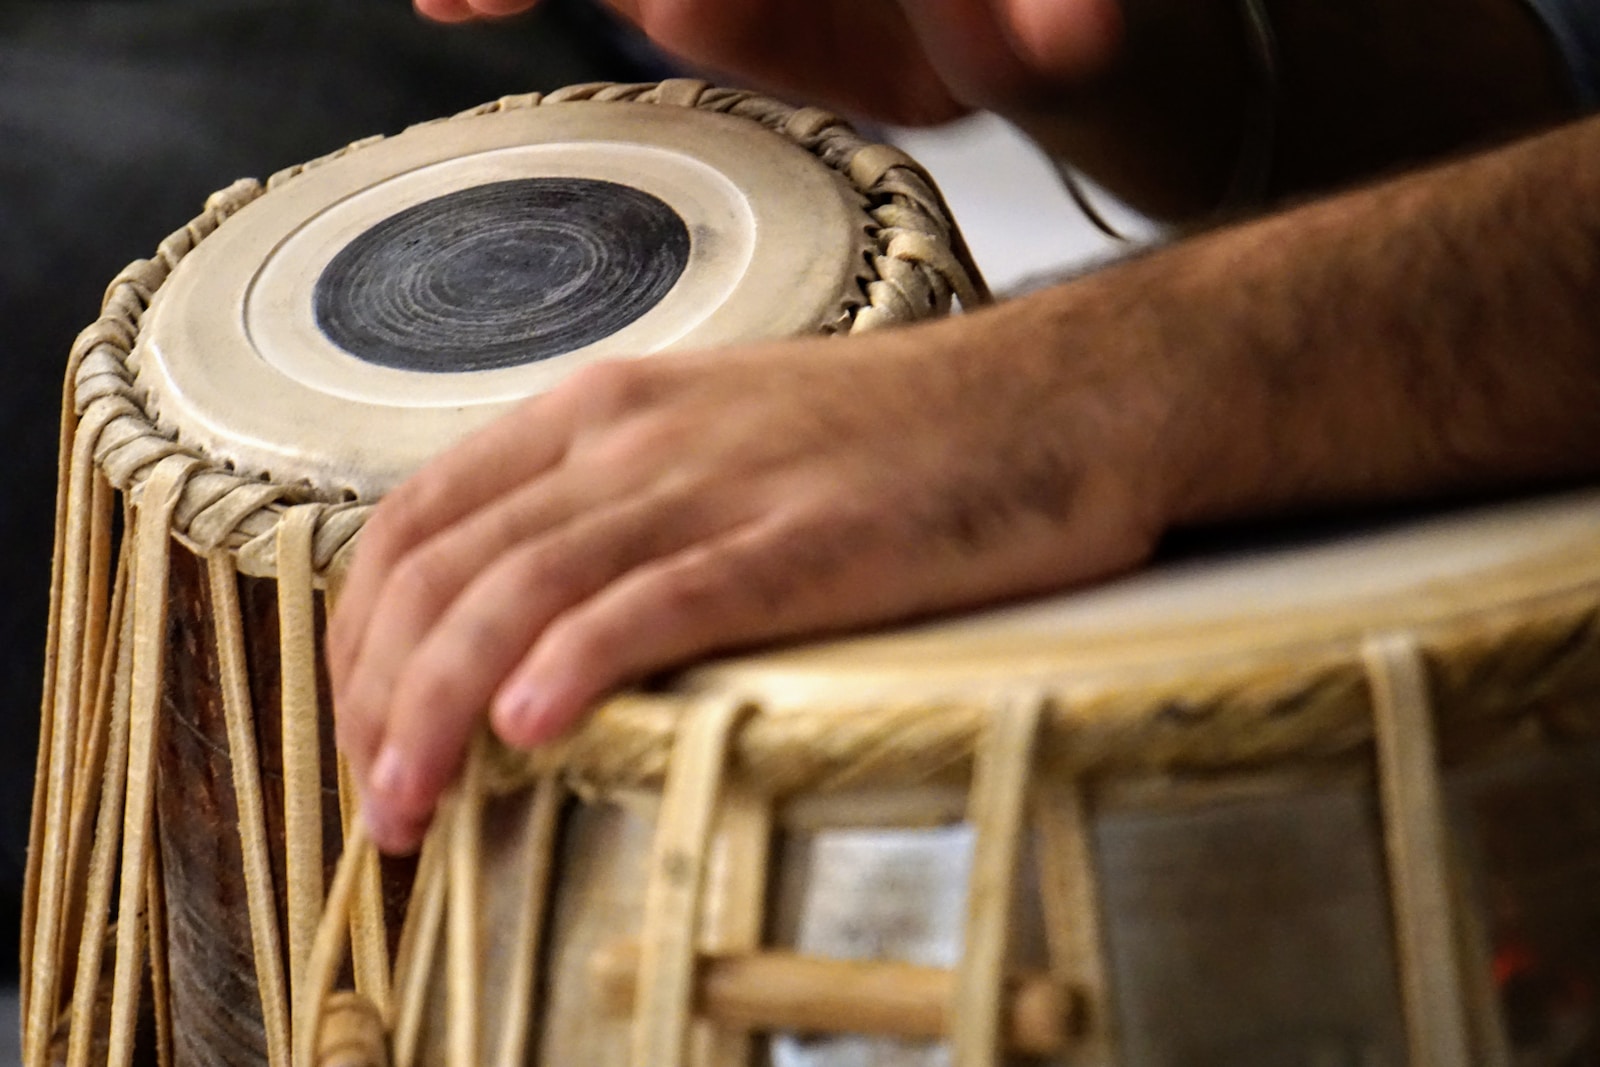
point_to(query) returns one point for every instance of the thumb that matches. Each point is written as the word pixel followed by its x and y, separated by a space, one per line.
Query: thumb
pixel 998 52
pixel 1065 40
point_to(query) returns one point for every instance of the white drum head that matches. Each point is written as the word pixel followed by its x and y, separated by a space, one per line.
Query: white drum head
pixel 1464 577
pixel 361 317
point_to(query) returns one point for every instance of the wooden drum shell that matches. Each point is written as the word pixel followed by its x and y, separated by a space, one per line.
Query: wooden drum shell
pixel 215 1003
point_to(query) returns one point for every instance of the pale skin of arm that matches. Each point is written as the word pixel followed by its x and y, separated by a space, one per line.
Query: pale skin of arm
pixel 1427 335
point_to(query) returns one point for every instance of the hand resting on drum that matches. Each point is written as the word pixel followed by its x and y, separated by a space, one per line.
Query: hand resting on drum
pixel 649 511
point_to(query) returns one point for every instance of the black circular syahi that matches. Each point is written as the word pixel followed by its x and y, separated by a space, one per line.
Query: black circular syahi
pixel 501 274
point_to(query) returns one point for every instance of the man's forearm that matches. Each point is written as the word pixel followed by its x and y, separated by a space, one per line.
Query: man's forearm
pixel 1433 334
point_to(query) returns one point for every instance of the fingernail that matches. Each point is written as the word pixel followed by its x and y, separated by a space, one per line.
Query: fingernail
pixel 516 713
pixel 388 773
pixel 392 836
pixel 378 827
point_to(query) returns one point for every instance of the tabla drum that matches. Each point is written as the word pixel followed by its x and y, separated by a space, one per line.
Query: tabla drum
pixel 1330 799
pixel 247 395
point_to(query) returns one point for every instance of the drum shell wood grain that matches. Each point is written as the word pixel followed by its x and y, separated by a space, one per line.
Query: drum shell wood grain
pixel 215 1002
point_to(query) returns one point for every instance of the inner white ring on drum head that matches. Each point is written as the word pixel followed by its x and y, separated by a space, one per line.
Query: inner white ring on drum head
pixel 279 312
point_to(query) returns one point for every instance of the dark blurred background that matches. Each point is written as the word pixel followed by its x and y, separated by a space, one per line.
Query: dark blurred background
pixel 117 118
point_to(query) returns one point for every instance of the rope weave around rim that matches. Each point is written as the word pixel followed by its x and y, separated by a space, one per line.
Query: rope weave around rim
pixel 918 264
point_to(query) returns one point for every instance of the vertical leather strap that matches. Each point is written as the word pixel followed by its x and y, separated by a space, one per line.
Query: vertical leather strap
pixel 45 890
pixel 369 933
pixel 152 538
pixel 302 742
pixel 1070 896
pixel 1417 838
pixel 733 907
pixel 997 810
pixel 418 948
pixel 261 897
pixel 103 854
pixel 532 858
pixel 677 872
pixel 463 947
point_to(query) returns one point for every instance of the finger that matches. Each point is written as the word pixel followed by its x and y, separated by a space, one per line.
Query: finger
pixel 487 465
pixel 861 57
pixel 501 8
pixel 418 590
pixel 421 587
pixel 463 10
pixel 429 692
pixel 418 587
pixel 1066 38
pixel 970 47
pixel 756 583
pixel 445 10
pixel 1002 54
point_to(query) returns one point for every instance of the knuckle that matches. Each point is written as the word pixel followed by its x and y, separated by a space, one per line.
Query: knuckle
pixel 524 576
pixel 605 390
pixel 340 642
pixel 585 641
pixel 640 443
pixel 434 692
pixel 801 558
pixel 825 543
pixel 772 591
pixel 701 583
pixel 545 571
pixel 664 23
pixel 508 526
pixel 462 660
pixel 358 725
pixel 477 646
pixel 420 583
pixel 397 523
pixel 426 687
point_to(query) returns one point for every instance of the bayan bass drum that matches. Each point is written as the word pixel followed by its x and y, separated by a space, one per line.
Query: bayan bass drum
pixel 1332 800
